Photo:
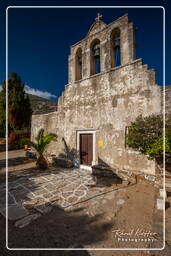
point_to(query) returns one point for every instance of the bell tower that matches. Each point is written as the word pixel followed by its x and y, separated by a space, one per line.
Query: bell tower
pixel 108 89
pixel 106 47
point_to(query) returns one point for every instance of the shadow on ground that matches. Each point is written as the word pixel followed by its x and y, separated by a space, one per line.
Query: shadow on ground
pixel 59 229
pixel 15 161
pixel 56 229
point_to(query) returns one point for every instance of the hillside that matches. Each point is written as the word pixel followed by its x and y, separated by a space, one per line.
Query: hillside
pixel 41 105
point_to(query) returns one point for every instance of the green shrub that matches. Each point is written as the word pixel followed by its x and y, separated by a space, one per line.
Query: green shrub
pixel 156 149
pixel 15 136
pixel 19 144
pixel 146 136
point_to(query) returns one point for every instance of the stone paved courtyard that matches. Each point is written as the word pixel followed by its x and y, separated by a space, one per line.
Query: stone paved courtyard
pixel 63 188
pixel 70 201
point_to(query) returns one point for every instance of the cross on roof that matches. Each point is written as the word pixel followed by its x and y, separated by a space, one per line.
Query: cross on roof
pixel 99 17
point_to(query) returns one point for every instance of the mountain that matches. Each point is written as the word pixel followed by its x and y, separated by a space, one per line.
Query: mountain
pixel 41 105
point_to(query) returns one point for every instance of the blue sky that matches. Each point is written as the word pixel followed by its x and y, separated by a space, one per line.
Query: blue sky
pixel 40 39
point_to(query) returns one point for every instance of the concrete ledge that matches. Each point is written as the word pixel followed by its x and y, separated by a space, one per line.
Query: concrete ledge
pixel 105 172
pixel 160 204
pixel 62 162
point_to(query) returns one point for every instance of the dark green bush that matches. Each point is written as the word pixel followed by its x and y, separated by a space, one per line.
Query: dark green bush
pixel 146 136
pixel 19 144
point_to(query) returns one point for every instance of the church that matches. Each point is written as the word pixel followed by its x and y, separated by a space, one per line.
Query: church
pixel 108 88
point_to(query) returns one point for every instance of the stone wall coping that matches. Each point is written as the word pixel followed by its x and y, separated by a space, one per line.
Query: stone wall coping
pixel 46 113
pixel 104 72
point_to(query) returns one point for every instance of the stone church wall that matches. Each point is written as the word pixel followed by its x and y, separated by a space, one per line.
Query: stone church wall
pixel 106 103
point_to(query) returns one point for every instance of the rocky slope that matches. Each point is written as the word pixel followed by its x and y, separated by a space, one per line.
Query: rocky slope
pixel 41 106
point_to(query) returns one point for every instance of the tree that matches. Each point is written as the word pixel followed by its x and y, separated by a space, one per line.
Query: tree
pixel 146 136
pixel 19 108
pixel 40 145
pixel 2 114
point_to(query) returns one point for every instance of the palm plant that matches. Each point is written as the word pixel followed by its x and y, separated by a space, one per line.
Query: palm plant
pixel 40 145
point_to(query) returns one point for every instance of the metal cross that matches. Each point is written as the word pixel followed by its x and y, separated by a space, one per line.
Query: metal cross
pixel 99 17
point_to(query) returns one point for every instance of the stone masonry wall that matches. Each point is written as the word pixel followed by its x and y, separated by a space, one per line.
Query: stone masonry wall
pixel 107 103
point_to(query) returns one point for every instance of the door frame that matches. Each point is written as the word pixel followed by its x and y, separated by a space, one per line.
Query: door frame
pixel 93 132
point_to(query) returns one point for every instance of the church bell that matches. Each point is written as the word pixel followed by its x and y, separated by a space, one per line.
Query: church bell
pixel 117 43
pixel 97 53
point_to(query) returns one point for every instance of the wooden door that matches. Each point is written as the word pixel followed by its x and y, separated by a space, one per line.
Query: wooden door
pixel 86 149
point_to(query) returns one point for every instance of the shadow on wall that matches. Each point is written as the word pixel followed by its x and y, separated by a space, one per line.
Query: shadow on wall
pixel 70 153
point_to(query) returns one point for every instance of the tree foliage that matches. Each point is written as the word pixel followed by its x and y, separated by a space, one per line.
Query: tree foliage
pixel 146 136
pixel 2 114
pixel 19 108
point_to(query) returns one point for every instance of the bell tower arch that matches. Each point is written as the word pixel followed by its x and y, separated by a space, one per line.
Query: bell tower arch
pixel 95 59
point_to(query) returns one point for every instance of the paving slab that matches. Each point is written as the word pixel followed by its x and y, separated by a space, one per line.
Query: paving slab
pixel 43 209
pixel 27 220
pixel 2 197
pixel 15 212
pixel 62 188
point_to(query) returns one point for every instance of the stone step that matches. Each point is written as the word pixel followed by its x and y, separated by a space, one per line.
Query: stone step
pixel 105 172
pixel 168 185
